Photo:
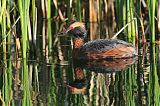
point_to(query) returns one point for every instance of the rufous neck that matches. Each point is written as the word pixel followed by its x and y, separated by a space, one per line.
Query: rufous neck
pixel 78 42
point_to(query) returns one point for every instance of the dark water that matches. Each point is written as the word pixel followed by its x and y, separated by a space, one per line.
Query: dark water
pixel 70 83
pixel 55 79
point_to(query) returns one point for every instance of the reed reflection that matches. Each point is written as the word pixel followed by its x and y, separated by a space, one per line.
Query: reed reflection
pixel 80 85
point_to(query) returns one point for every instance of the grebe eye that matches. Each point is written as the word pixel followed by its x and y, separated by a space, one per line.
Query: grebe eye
pixel 71 27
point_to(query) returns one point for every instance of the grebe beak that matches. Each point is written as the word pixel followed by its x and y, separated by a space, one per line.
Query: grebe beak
pixel 67 31
pixel 64 32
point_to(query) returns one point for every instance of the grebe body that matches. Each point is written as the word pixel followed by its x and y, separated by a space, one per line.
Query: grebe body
pixel 106 49
pixel 98 49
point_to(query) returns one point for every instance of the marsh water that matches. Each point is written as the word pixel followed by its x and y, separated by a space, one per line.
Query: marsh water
pixel 55 79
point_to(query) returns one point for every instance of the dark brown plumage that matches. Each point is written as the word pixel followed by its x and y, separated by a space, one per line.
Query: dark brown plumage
pixel 98 49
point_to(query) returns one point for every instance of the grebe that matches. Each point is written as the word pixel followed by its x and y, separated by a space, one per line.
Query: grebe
pixel 97 49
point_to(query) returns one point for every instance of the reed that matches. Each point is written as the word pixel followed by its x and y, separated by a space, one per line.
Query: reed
pixel 5 38
pixel 151 10
pixel 93 16
pixel 3 8
pixel 8 74
pixel 153 87
pixel 8 34
pixel 128 17
pixel 51 88
pixel 7 83
pixel 132 22
pixel 43 30
pixel 68 9
pixel 131 82
pixel 53 85
pixel 125 15
pixel 56 13
pixel 26 96
pixel 48 8
pixel 33 14
pixel 24 18
pixel 153 79
pixel 133 25
pixel 121 13
pixel 34 28
pixel 118 88
pixel 78 10
pixel 3 23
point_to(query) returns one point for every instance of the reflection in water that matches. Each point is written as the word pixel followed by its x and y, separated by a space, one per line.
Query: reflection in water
pixel 79 85
pixel 107 66
pixel 71 83
pixel 105 82
pixel 97 87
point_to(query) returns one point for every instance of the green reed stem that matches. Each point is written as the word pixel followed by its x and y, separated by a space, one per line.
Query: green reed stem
pixel 52 97
pixel 121 7
pixel 2 8
pixel 119 20
pixel 49 25
pixel 26 95
pixel 3 28
pixel 129 19
pixel 78 10
pixel 125 15
pixel 33 14
pixel 153 86
pixel 138 11
pixel 24 15
pixel 5 87
pixel 54 85
pixel 120 80
pixel 68 10
pixel 7 83
pixel 130 86
pixel 56 23
pixel 24 18
pixel 131 28
pixel 134 23
pixel 34 26
pixel 9 62
pixel 9 35
pixel 151 10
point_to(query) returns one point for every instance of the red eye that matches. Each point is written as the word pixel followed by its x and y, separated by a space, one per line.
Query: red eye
pixel 71 27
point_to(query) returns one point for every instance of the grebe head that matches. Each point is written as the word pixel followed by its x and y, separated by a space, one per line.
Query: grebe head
pixel 77 29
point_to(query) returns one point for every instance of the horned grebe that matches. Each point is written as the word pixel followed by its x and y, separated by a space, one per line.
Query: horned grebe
pixel 98 49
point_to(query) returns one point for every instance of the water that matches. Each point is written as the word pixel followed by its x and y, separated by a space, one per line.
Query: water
pixel 95 83
pixel 55 79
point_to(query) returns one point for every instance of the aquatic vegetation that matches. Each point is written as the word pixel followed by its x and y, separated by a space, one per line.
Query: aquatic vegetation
pixel 36 59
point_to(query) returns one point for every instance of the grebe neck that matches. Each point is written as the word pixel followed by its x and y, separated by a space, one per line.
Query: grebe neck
pixel 77 43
